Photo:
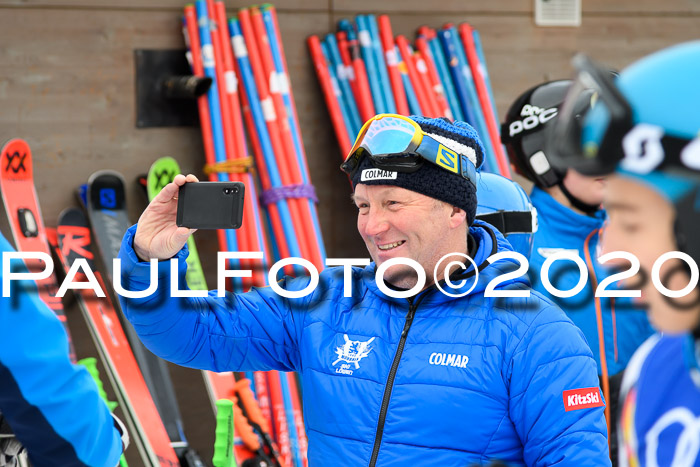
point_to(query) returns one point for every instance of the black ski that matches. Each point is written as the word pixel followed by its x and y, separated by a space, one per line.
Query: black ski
pixel 106 207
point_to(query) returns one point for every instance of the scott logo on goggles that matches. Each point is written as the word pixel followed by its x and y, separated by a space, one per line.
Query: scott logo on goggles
pixel 644 150
pixel 534 116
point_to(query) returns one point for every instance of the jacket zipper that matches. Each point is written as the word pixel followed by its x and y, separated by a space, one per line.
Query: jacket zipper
pixel 390 383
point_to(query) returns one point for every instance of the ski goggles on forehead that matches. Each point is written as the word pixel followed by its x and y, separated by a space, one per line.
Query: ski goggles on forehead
pixel 397 143
pixel 592 122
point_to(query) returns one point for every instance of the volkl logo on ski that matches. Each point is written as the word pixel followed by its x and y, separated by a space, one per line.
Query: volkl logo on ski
pixel 15 162
pixel 163 178
pixel 351 352
pixel 586 398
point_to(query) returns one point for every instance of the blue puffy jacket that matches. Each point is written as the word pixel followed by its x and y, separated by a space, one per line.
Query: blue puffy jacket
pixel 660 400
pixel 624 327
pixel 53 407
pixel 433 380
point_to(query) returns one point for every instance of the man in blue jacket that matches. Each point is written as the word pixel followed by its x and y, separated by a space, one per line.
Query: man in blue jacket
pixel 445 376
pixel 52 406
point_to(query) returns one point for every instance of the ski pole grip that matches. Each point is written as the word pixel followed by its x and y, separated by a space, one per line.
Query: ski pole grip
pixel 245 394
pixel 244 429
pixel 223 443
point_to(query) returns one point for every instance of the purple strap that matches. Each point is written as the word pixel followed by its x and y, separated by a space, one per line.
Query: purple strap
pixel 289 191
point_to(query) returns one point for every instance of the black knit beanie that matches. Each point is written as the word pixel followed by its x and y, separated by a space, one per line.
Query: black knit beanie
pixel 432 180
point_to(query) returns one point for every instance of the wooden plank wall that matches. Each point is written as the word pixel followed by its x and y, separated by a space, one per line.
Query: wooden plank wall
pixel 67 87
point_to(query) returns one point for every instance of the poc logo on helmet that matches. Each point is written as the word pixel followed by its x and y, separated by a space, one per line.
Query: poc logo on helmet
pixel 534 116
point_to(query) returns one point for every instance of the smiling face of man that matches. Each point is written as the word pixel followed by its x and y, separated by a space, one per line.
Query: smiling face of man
pixel 641 222
pixel 399 223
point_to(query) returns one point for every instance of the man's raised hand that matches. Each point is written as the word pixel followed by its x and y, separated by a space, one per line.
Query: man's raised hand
pixel 157 234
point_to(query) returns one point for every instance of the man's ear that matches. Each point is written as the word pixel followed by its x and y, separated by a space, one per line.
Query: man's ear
pixel 457 216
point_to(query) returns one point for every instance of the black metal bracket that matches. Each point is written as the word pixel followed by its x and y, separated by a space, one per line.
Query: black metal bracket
pixel 166 90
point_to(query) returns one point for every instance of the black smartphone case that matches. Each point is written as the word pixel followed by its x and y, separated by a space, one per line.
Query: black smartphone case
pixel 210 205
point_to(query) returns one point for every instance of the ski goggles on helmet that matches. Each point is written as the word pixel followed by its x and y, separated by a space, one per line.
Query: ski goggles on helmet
pixel 596 138
pixel 588 137
pixel 397 143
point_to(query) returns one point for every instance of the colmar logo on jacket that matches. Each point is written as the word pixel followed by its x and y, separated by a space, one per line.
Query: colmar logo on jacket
pixel 586 398
pixel 451 359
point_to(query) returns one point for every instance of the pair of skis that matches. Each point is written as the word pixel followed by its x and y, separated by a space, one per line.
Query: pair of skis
pixel 105 201
pixel 72 243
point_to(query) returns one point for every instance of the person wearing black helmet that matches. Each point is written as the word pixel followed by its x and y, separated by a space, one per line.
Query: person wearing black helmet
pixel 570 219
pixel 645 130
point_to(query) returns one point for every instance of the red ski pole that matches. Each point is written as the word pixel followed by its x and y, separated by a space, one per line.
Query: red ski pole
pixel 272 123
pixel 219 34
pixel 407 56
pixel 327 87
pixel 344 50
pixel 252 236
pixel 465 30
pixel 442 105
pixel 191 35
pixel 202 102
pixel 365 103
pixel 306 228
pixel 422 69
pixel 392 64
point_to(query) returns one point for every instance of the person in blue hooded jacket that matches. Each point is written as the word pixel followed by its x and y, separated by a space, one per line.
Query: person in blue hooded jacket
pixel 411 372
pixel 570 221
pixel 53 407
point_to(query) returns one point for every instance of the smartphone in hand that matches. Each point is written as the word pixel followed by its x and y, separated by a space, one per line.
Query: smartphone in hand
pixel 210 205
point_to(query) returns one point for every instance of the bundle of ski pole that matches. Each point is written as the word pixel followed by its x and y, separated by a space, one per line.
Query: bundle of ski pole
pixel 364 70
pixel 250 95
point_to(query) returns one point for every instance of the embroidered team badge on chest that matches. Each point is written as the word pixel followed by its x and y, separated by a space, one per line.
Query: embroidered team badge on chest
pixel 350 353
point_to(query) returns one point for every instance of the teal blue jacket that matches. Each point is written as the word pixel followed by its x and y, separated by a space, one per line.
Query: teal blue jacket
pixel 625 328
pixel 52 406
